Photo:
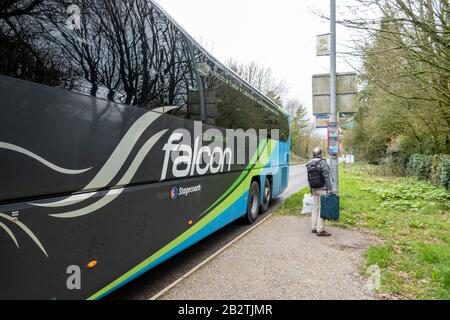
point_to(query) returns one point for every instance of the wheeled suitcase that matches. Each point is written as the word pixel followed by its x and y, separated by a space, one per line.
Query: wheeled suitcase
pixel 329 207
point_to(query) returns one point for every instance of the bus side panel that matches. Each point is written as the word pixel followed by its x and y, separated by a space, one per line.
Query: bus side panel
pixel 119 236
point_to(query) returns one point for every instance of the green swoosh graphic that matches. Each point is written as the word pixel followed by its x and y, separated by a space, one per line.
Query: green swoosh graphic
pixel 244 173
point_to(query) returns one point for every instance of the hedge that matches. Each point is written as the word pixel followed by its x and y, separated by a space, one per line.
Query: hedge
pixel 419 165
pixel 425 167
pixel 442 171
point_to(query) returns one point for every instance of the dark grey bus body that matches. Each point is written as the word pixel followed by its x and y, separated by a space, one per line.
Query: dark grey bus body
pixel 87 106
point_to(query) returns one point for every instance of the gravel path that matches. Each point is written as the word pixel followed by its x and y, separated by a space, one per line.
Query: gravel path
pixel 282 259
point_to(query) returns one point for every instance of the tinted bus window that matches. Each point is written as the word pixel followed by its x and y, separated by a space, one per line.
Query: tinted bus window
pixel 215 92
pixel 248 111
pixel 123 51
pixel 241 113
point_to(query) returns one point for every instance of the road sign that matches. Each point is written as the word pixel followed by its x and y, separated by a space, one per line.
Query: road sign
pixel 346 89
pixel 322 121
pixel 346 120
pixel 323 45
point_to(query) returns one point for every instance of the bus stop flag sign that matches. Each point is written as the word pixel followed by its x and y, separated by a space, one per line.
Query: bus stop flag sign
pixel 333 138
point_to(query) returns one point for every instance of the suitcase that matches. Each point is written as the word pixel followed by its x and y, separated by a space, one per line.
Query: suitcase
pixel 329 207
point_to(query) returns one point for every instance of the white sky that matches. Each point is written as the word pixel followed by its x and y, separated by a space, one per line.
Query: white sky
pixel 277 34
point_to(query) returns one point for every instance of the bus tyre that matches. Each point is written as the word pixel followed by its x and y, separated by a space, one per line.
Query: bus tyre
pixel 267 196
pixel 253 203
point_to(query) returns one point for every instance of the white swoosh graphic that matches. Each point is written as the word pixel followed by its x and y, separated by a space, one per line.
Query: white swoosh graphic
pixel 115 161
pixel 113 194
pixel 12 147
pixel 26 230
pixel 9 232
pixel 73 199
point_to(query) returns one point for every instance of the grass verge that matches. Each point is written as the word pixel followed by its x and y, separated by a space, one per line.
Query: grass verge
pixel 293 205
pixel 411 217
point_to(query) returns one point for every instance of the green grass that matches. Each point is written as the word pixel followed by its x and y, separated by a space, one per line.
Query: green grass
pixel 293 205
pixel 411 217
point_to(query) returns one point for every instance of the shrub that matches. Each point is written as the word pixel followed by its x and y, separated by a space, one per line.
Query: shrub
pixel 419 165
pixel 425 167
pixel 442 174
pixel 394 165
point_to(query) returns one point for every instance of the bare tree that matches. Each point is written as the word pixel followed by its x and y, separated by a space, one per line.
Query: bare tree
pixel 405 70
pixel 261 78
pixel 128 51
pixel 14 8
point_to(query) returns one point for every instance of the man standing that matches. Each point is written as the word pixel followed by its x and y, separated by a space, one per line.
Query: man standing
pixel 320 184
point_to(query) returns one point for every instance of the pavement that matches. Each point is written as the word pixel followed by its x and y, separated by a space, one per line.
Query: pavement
pixel 282 259
pixel 155 280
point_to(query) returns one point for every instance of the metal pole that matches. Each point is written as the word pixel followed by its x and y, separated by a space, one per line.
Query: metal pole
pixel 334 159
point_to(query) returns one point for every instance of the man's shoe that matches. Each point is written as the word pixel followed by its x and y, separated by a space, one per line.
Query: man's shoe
pixel 314 231
pixel 323 233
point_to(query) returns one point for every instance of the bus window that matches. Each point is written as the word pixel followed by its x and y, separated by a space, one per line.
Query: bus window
pixel 213 80
pixel 127 52
pixel 176 83
pixel 243 111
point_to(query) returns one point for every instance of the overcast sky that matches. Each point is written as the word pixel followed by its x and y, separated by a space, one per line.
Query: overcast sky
pixel 277 34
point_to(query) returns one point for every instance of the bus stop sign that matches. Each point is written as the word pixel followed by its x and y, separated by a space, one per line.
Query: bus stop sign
pixel 334 139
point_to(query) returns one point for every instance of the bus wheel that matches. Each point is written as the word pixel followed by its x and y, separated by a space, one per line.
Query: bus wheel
pixel 253 203
pixel 267 196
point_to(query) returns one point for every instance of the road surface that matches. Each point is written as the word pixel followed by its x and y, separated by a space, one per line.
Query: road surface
pixel 149 284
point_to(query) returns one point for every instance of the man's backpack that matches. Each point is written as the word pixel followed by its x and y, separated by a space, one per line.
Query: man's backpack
pixel 315 175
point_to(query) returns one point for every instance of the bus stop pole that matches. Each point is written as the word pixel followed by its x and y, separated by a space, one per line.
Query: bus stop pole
pixel 334 158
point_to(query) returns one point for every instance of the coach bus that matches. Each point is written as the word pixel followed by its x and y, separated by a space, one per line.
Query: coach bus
pixel 119 145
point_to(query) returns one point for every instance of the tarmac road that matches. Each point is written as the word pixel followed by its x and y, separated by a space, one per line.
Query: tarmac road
pixel 149 284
